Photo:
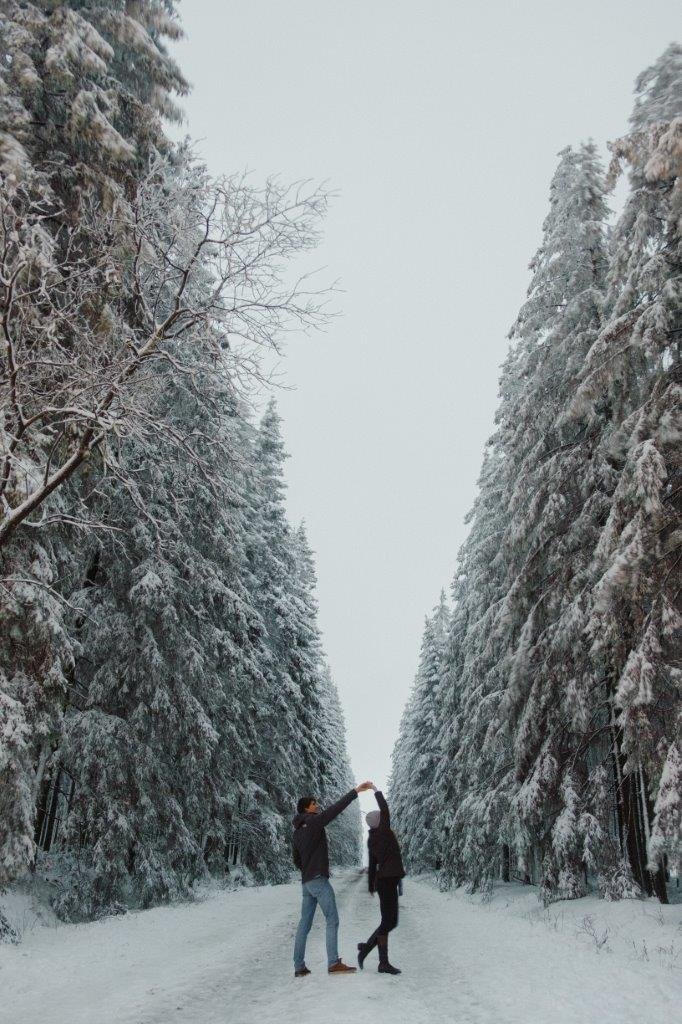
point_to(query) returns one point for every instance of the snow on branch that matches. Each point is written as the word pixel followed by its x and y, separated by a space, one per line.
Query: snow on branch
pixel 99 313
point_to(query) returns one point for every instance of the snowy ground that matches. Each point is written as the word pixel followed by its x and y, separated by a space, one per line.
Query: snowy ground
pixel 228 959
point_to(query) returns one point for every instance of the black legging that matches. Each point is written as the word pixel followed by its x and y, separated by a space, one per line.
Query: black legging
pixel 388 904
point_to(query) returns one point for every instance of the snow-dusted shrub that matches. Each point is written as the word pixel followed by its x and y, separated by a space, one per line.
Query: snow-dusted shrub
pixel 8 932
pixel 619 884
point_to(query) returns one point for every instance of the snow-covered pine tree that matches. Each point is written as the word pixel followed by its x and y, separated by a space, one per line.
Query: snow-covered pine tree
pixel 36 654
pixel 632 387
pixel 519 543
pixel 271 558
pixel 306 659
pixel 293 751
pixel 506 676
pixel 575 535
pixel 345 831
pixel 174 737
pixel 70 133
pixel 87 86
pixel 448 779
pixel 83 90
pixel 483 779
pixel 399 783
pixel 417 751
pixel 559 488
pixel 517 644
pixel 322 708
pixel 95 81
pixel 162 715
pixel 475 780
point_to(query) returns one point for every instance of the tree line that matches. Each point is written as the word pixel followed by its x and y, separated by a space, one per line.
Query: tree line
pixel 542 737
pixel 164 693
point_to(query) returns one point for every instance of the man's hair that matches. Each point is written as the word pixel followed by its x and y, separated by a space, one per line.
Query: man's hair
pixel 304 803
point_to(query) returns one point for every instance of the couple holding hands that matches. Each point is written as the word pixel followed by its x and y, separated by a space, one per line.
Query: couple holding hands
pixel 311 857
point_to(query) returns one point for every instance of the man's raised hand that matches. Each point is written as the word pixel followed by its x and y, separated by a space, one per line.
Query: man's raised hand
pixel 364 786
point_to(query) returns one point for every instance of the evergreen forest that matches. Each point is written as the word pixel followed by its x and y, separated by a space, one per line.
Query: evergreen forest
pixel 164 692
pixel 542 739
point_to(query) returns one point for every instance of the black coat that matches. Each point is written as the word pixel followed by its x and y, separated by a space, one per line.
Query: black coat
pixel 311 853
pixel 384 849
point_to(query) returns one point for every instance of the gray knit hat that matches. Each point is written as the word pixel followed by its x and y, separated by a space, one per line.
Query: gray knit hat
pixel 373 818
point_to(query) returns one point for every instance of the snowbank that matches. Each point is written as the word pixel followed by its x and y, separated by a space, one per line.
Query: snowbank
pixel 634 931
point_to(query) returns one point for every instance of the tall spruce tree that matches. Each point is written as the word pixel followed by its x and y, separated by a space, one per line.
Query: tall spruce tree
pixel 521 629
pixel 417 750
pixel 345 831
pixel 74 134
pixel 162 717
pixel 631 386
pixel 560 488
pixel 284 593
pixel 476 782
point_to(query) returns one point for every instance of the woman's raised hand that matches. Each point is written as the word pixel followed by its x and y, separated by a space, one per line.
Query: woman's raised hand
pixel 364 786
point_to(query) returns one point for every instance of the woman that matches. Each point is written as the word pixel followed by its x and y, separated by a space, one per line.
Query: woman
pixel 384 875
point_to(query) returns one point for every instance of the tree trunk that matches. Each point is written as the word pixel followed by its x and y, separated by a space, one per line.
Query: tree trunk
pixel 658 878
pixel 506 859
pixel 634 813
pixel 633 833
pixel 52 811
pixel 41 811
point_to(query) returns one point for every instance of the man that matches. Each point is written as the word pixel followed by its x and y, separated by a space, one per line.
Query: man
pixel 385 873
pixel 311 856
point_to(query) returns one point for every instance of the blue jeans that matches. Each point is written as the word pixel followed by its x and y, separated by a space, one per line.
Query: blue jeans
pixel 317 890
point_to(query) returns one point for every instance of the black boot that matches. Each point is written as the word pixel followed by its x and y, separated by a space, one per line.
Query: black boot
pixel 366 947
pixel 384 966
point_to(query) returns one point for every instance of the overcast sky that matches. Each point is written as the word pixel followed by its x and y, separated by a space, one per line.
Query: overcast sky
pixel 439 124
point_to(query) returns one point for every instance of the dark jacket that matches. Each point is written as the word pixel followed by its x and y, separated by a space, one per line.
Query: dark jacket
pixel 311 853
pixel 384 850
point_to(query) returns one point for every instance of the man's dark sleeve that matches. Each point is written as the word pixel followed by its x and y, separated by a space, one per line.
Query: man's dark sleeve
pixel 384 816
pixel 297 858
pixel 371 872
pixel 324 817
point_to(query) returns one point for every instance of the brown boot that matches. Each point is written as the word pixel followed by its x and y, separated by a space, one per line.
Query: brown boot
pixel 340 968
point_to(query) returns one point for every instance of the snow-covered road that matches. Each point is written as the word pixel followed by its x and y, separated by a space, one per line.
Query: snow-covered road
pixel 228 959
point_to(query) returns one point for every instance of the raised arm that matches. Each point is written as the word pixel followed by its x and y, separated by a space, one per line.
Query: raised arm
pixel 324 817
pixel 329 813
pixel 384 815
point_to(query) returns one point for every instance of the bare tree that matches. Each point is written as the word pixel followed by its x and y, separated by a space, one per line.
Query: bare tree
pixel 191 278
